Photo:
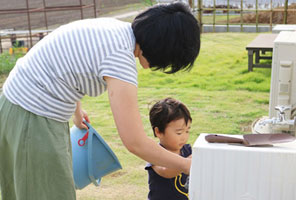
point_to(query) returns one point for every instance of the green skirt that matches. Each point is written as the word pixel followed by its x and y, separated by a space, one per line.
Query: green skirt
pixel 35 156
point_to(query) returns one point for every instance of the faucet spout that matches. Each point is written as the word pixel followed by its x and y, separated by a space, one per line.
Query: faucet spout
pixel 281 118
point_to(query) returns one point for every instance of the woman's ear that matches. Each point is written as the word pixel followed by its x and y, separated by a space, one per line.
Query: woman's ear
pixel 139 54
pixel 137 50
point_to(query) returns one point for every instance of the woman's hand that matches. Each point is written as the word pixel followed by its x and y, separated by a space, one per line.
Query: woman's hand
pixel 79 115
pixel 187 165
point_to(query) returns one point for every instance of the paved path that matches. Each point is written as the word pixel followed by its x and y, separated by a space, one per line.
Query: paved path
pixel 129 14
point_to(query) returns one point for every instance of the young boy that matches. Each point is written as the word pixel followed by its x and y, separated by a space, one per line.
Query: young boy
pixel 170 120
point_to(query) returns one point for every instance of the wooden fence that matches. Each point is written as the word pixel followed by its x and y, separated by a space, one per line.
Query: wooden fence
pixel 241 12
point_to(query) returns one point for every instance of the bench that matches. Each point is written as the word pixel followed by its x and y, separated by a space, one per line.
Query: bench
pixel 259 46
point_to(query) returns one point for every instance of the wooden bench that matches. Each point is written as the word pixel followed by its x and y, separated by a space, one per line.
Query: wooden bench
pixel 259 46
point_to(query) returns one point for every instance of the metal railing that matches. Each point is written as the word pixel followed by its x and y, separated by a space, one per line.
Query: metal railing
pixel 228 9
pixel 29 34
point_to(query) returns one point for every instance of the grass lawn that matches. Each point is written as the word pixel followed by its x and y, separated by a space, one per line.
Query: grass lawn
pixel 221 94
pixel 6 64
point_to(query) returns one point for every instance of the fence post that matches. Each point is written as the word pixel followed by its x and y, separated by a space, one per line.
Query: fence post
pixel 45 15
pixel 190 3
pixel 286 12
pixel 227 16
pixel 29 24
pixel 214 17
pixel 241 16
pixel 200 15
pixel 257 17
pixel 81 9
pixel 271 10
pixel 95 9
pixel 1 45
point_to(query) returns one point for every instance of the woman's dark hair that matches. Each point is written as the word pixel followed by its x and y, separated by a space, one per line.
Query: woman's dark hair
pixel 169 36
pixel 167 110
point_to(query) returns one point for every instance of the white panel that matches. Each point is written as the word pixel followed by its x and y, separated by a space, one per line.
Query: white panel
pixel 283 77
pixel 231 172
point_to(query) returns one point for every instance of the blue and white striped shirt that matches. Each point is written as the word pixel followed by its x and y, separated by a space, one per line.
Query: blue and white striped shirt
pixel 71 62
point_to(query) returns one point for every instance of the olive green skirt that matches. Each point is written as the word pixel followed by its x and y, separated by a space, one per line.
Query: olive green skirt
pixel 35 156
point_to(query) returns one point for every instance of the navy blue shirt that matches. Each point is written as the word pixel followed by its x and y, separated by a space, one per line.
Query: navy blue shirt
pixel 161 188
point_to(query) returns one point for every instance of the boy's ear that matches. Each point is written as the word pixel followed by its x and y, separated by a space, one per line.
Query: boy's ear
pixel 157 132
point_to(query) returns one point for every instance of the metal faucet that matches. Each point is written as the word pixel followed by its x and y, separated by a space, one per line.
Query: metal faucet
pixel 281 117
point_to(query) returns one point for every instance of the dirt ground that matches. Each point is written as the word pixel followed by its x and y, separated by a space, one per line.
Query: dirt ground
pixel 264 17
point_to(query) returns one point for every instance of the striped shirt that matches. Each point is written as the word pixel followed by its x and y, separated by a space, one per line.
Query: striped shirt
pixel 71 62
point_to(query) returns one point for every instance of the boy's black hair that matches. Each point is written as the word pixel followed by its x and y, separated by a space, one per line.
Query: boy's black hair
pixel 169 36
pixel 165 111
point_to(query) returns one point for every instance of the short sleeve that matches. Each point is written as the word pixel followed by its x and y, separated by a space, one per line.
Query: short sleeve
pixel 120 65
pixel 186 150
pixel 148 166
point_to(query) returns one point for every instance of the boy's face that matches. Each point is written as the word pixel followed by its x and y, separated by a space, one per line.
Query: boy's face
pixel 175 135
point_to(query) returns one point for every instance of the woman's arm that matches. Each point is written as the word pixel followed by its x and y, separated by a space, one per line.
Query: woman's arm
pixel 166 172
pixel 124 105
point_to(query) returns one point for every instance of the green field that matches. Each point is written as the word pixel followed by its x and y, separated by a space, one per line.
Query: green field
pixel 221 94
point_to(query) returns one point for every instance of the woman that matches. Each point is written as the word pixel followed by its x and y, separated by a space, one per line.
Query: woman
pixel 86 57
